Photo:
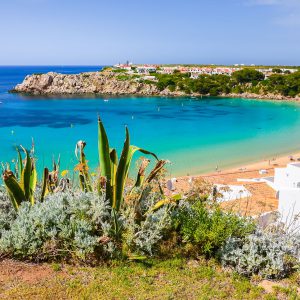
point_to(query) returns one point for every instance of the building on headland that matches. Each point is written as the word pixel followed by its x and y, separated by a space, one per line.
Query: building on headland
pixel 146 69
pixel 196 71
pixel 127 66
pixel 167 70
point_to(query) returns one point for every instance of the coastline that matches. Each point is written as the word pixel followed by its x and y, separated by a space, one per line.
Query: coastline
pixel 247 170
pixel 280 161
pixel 262 199
pixel 108 84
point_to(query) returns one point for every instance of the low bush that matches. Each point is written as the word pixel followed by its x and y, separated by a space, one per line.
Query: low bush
pixel 65 225
pixel 268 254
pixel 80 226
pixel 204 225
pixel 7 212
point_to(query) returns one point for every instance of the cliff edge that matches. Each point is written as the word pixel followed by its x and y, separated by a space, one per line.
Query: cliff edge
pixel 109 83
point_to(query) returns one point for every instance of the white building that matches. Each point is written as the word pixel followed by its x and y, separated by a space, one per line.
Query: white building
pixel 286 183
pixel 145 69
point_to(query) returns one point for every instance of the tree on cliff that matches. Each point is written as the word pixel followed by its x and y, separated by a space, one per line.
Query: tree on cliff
pixel 247 75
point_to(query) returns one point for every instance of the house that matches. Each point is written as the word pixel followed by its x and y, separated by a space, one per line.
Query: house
pixel 146 69
pixel 127 67
pixel 167 70
pixel 194 75
pixel 286 183
pixel 149 77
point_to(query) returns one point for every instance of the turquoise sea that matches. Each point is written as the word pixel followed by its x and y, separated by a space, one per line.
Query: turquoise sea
pixel 195 134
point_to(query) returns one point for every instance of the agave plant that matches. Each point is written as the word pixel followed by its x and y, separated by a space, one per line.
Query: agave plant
pixel 82 166
pixel 51 182
pixel 22 189
pixel 116 171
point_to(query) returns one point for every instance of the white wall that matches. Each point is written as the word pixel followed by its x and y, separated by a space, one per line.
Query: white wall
pixel 293 171
pixel 287 177
pixel 289 205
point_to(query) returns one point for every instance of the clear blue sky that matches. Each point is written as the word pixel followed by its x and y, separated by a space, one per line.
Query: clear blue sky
pixel 97 32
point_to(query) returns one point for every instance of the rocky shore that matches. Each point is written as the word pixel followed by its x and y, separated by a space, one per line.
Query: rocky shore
pixel 105 83
pixel 108 83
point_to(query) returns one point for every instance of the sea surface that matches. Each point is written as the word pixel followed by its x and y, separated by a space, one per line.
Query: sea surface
pixel 196 135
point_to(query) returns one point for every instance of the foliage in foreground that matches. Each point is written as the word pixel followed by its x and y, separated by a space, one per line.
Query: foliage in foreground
pixel 205 226
pixel 268 254
pixel 80 226
pixel 109 217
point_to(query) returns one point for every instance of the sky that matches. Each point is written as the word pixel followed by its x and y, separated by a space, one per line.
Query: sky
pixel 98 32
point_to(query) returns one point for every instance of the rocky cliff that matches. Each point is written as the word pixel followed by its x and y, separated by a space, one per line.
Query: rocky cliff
pixel 109 83
pixel 86 83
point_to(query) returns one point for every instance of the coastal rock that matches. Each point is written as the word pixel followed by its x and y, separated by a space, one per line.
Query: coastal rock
pixel 107 83
pixel 85 83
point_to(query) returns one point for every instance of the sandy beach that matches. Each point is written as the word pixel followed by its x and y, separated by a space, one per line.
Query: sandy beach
pixel 262 199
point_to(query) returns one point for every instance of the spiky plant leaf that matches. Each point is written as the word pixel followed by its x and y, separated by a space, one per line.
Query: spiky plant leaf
pixel 45 190
pixel 14 189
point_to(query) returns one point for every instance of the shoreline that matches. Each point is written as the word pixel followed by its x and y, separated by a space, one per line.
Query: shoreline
pixel 267 164
pixel 262 199
pixel 107 83
pixel 246 96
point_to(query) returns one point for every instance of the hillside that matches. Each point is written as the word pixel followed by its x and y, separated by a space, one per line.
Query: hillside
pixel 245 83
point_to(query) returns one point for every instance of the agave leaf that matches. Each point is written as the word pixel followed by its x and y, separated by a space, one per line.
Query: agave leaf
pixel 45 190
pixel 104 153
pixel 141 173
pixel 159 204
pixel 20 163
pixel 165 201
pixel 14 189
pixel 26 174
pixel 33 181
pixel 105 161
pixel 114 165
pixel 112 183
pixel 123 168
pixel 122 172
pixel 159 165
pixel 84 173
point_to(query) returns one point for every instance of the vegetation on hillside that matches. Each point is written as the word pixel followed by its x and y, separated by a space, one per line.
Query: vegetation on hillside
pixel 245 80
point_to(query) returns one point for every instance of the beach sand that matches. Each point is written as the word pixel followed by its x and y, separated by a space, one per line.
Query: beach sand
pixel 263 198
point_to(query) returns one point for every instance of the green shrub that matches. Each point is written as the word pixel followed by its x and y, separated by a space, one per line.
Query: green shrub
pixel 123 77
pixel 207 227
pixel 119 70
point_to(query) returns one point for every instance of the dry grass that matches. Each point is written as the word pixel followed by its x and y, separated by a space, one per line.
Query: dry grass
pixel 169 279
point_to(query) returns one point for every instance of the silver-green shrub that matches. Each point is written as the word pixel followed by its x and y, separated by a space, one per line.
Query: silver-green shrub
pixel 142 236
pixel 65 224
pixel 269 254
pixel 80 225
pixel 7 212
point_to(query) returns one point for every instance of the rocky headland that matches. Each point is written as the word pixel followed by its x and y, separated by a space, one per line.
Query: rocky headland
pixel 105 83
pixel 110 83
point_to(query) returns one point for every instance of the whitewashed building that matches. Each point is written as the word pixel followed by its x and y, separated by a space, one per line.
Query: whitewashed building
pixel 286 183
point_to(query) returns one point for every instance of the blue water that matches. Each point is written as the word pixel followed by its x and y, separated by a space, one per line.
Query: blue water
pixel 196 135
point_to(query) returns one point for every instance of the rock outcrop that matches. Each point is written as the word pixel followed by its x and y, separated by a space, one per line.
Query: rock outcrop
pixel 108 83
pixel 86 83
